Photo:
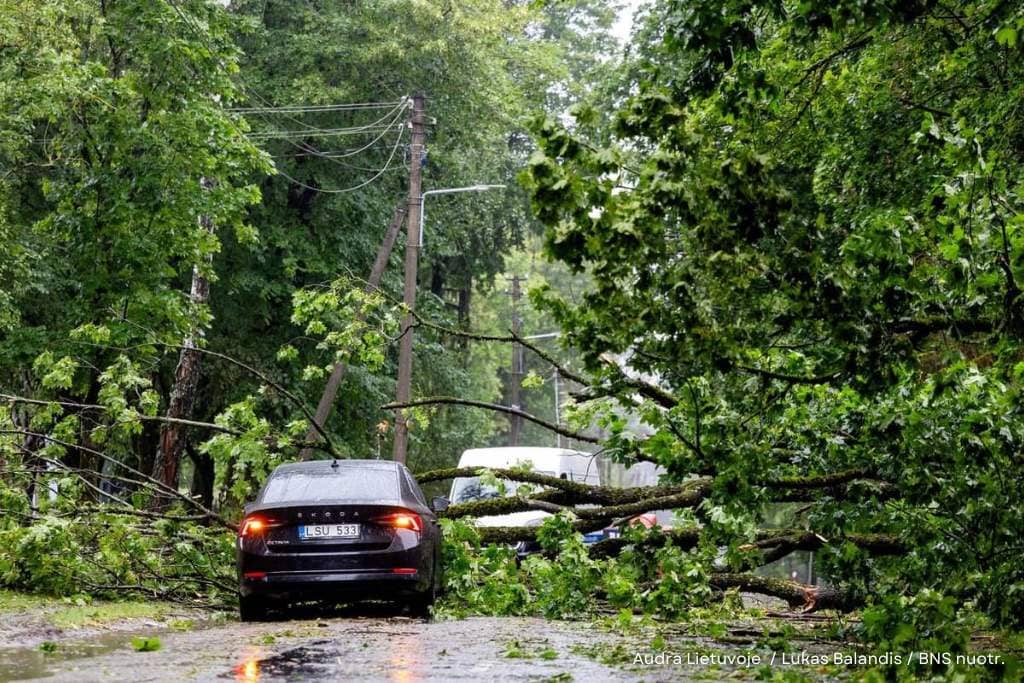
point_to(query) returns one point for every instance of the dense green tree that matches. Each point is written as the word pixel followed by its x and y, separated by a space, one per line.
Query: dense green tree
pixel 115 143
pixel 486 71
pixel 144 155
pixel 807 232
pixel 131 169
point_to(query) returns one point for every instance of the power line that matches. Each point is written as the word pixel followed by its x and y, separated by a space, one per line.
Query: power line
pixel 313 108
pixel 287 110
pixel 351 167
pixel 316 131
pixel 363 184
pixel 395 112
pixel 333 157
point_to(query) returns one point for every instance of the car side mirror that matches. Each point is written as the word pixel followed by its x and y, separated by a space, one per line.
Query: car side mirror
pixel 439 504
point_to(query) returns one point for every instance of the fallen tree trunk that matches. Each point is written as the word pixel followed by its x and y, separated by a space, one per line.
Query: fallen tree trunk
pixel 585 493
pixel 768 540
pixel 797 595
pixel 627 503
pixel 800 596
pixel 689 537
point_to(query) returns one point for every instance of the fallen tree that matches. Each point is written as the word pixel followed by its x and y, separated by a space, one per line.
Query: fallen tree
pixel 592 507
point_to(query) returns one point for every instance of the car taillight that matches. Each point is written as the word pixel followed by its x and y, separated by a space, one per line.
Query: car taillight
pixel 256 526
pixel 401 520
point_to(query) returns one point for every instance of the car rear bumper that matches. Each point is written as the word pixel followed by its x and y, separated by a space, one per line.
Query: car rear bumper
pixel 346 584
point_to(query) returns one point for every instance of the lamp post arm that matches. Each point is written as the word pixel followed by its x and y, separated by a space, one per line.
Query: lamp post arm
pixel 450 190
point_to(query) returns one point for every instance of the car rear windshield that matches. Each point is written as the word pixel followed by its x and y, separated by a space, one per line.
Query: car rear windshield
pixel 344 483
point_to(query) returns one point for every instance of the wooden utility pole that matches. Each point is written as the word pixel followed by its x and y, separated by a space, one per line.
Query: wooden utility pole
pixel 412 248
pixel 323 409
pixel 516 376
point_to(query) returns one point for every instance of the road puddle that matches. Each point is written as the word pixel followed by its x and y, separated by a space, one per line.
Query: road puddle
pixel 405 665
pixel 27 663
pixel 313 661
pixel 328 660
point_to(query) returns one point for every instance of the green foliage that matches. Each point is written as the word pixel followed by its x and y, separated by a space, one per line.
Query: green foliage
pixel 564 582
pixel 666 580
pixel 68 551
pixel 804 223
pixel 242 460
pixel 145 643
pixel 102 103
pixel 125 168
pixel 480 580
pixel 927 622
pixel 338 314
pixel 565 586
pixel 127 171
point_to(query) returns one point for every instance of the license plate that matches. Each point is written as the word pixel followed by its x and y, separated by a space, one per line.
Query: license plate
pixel 309 532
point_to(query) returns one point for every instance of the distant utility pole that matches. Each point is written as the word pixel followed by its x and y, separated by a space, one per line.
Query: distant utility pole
pixel 323 409
pixel 516 376
pixel 412 246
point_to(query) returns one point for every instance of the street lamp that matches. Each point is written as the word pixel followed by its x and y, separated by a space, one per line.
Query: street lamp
pixel 409 297
pixel 450 190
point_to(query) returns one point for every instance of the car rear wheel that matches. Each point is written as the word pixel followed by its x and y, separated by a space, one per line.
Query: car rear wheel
pixel 421 604
pixel 252 608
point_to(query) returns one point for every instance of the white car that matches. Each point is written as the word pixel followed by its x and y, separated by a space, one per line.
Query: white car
pixel 556 462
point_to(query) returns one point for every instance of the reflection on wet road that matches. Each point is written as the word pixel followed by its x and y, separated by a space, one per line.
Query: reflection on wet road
pixel 331 646
pixel 401 650
pixel 249 670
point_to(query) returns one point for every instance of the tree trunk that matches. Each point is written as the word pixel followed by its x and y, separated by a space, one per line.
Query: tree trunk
pixel 437 278
pixel 202 476
pixel 186 383
pixel 465 299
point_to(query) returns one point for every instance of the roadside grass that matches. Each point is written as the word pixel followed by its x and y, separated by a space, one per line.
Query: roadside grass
pixel 13 600
pixel 75 613
pixel 74 616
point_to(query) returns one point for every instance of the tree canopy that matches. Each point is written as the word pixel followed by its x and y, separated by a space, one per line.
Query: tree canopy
pixel 783 246
pixel 806 229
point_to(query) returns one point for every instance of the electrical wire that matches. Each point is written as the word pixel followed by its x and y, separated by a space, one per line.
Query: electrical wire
pixel 395 112
pixel 363 184
pixel 345 155
pixel 314 131
pixel 313 108
pixel 286 111
pixel 327 157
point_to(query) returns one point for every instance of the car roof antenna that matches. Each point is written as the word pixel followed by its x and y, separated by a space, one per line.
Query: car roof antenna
pixel 334 463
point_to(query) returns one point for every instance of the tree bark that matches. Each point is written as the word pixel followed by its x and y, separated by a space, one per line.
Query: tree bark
pixel 202 476
pixel 797 595
pixel 173 436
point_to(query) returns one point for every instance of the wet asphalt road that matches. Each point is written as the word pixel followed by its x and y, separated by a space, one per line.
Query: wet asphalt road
pixel 336 647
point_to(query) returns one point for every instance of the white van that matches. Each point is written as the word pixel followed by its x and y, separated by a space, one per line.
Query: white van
pixel 555 462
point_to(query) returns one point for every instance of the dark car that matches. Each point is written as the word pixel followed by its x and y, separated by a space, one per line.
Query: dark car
pixel 338 530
